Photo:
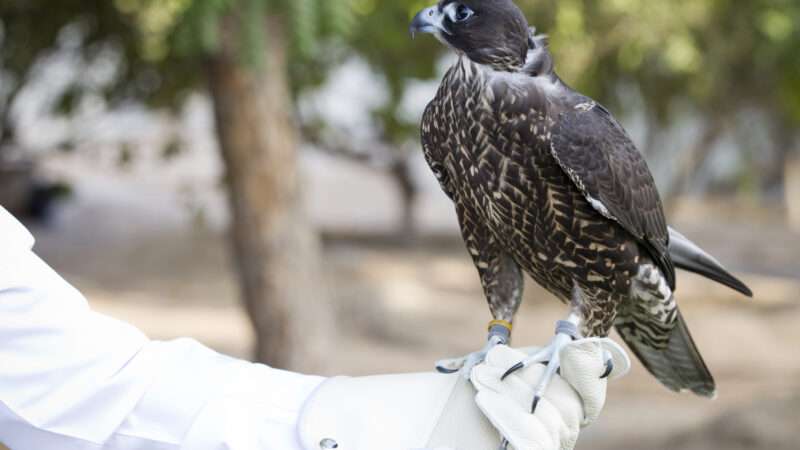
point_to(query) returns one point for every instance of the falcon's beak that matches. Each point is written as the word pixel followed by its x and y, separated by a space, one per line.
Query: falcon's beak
pixel 429 20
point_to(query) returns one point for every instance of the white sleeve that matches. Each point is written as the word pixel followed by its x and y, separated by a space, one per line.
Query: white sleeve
pixel 73 379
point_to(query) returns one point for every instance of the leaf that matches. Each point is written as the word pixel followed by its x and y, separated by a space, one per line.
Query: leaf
pixel 338 16
pixel 68 101
pixel 303 16
pixel 251 43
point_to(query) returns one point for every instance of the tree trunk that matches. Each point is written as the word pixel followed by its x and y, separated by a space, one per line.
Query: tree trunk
pixel 275 248
pixel 771 175
pixel 402 175
pixel 7 132
pixel 651 136
pixel 692 161
pixel 792 190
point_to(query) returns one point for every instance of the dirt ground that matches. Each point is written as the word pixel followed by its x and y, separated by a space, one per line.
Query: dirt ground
pixel 401 307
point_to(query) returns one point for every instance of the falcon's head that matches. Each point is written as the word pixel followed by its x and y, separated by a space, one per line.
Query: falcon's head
pixel 489 32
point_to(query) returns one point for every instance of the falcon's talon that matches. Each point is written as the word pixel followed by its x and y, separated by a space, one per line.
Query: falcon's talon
pixel 535 403
pixel 609 368
pixel 541 357
pixel 511 370
pixel 445 370
pixel 609 363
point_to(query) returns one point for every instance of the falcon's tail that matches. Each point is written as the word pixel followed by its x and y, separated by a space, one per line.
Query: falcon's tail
pixel 679 365
pixel 687 255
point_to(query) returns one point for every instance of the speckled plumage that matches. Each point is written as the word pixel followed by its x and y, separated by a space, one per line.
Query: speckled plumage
pixel 489 139
pixel 544 180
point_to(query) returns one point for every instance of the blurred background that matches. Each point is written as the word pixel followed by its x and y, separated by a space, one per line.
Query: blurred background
pixel 248 173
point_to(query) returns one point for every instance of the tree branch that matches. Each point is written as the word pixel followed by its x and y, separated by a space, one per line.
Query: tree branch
pixel 7 131
pixel 377 155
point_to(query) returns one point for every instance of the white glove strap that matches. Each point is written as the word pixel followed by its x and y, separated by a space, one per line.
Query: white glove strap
pixel 395 412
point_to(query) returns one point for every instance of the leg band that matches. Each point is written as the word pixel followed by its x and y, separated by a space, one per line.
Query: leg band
pixel 501 330
pixel 568 328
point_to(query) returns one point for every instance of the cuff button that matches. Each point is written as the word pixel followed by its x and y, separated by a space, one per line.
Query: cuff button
pixel 328 444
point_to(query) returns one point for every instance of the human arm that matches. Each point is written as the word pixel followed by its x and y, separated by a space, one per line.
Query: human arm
pixel 71 379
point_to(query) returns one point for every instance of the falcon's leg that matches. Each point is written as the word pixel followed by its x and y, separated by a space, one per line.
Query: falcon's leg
pixel 502 283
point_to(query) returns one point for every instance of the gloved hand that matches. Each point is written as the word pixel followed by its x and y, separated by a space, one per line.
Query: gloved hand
pixel 435 411
pixel 572 401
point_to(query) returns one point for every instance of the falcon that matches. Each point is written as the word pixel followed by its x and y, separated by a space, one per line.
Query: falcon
pixel 546 182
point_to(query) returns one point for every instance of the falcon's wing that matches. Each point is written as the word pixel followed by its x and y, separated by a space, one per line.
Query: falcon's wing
pixel 600 158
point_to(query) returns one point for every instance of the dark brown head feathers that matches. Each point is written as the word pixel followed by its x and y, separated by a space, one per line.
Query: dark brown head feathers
pixel 495 35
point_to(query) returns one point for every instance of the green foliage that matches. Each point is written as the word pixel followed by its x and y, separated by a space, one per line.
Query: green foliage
pixel 195 27
pixel 304 19
pixel 717 56
pixel 381 38
pixel 339 17
pixel 68 101
pixel 162 43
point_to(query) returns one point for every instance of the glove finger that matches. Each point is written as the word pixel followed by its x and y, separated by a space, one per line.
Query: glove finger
pixel 522 388
pixel 486 378
pixel 561 395
pixel 622 364
pixel 559 415
pixel 561 409
pixel 582 364
pixel 523 430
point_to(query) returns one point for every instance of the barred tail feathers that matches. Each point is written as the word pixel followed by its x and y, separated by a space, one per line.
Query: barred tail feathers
pixel 677 365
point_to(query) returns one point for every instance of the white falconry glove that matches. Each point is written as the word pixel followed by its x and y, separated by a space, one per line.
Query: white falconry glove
pixel 572 401
pixel 432 411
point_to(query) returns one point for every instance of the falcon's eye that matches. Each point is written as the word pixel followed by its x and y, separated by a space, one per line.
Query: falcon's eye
pixel 462 13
